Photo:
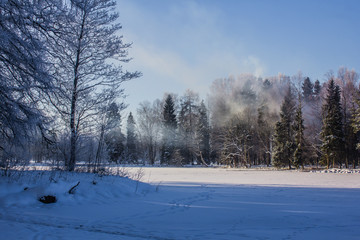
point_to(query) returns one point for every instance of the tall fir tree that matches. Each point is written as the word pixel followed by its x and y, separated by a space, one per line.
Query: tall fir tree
pixel 332 131
pixel 299 128
pixel 187 126
pixel 203 135
pixel 307 89
pixel 131 140
pixel 115 145
pixel 352 141
pixel 284 134
pixel 264 134
pixel 317 88
pixel 356 118
pixel 169 131
pixel 110 135
pixel 355 125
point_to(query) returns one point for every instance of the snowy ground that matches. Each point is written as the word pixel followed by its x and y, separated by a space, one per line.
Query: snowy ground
pixel 183 203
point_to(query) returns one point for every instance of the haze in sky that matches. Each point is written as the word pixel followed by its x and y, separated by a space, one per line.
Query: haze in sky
pixel 187 44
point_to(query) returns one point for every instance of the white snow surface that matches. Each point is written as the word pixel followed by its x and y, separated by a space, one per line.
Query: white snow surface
pixel 182 203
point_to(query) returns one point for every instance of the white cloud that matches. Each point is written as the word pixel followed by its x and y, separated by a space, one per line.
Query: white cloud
pixel 173 66
pixel 189 51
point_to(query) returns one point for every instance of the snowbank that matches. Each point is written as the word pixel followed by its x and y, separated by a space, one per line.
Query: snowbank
pixel 26 187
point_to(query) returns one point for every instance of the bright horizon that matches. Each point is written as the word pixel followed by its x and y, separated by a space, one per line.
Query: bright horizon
pixel 187 44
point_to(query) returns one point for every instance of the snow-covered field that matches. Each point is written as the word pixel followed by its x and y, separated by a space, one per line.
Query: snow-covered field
pixel 183 203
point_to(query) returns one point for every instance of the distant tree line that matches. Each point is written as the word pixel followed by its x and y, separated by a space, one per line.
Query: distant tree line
pixel 278 121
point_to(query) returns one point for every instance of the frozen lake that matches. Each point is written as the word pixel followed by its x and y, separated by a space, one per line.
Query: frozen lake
pixel 260 177
pixel 190 203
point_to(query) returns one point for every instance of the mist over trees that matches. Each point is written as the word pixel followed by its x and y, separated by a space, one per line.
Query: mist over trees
pixel 281 121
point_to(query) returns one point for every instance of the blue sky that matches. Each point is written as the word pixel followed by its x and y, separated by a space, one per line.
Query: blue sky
pixel 187 44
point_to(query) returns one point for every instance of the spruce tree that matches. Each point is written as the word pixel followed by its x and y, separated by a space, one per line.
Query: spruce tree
pixel 278 154
pixel 114 138
pixel 266 84
pixel 169 131
pixel 355 125
pixel 332 131
pixel 115 145
pixel 188 118
pixel 263 132
pixel 307 88
pixel 284 133
pixel 317 88
pixel 299 137
pixel 111 136
pixel 203 135
pixel 131 141
pixel 356 120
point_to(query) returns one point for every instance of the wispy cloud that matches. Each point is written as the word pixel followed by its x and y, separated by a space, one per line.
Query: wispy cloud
pixel 190 50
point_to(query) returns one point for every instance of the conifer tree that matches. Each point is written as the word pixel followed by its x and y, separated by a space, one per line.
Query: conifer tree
pixel 111 131
pixel 266 84
pixel 115 145
pixel 332 131
pixel 355 125
pixel 203 134
pixel 307 88
pixel 169 130
pixel 299 137
pixel 278 154
pixel 131 139
pixel 188 118
pixel 263 131
pixel 284 133
pixel 356 120
pixel 352 140
pixel 317 88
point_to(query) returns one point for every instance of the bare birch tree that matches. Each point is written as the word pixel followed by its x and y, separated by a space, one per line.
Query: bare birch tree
pixel 87 57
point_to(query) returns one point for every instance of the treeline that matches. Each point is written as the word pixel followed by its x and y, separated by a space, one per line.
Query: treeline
pixel 278 121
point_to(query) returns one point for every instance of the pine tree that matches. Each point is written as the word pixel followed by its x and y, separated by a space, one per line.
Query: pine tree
pixel 263 131
pixel 299 137
pixel 111 132
pixel 332 131
pixel 356 119
pixel 352 141
pixel 317 88
pixel 278 154
pixel 115 145
pixel 355 125
pixel 266 84
pixel 307 88
pixel 131 141
pixel 203 135
pixel 284 133
pixel 187 126
pixel 169 131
